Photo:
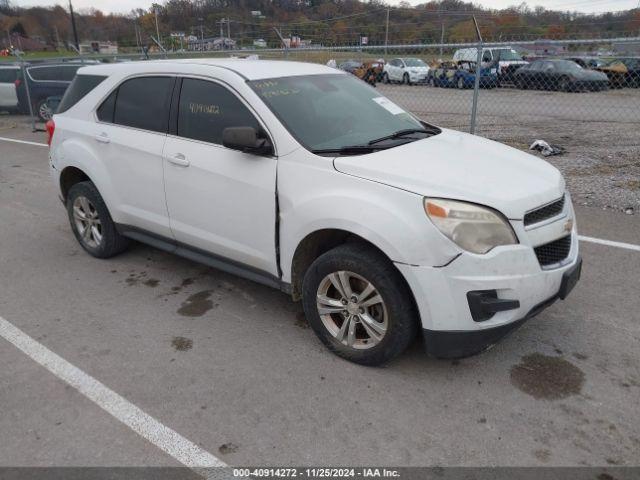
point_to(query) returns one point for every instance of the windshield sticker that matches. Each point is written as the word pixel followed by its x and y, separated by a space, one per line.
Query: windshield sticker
pixel 272 88
pixel 388 105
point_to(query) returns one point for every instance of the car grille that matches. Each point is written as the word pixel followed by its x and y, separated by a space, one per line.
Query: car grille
pixel 547 211
pixel 553 252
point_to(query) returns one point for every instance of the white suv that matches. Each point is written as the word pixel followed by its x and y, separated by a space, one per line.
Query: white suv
pixel 405 70
pixel 306 179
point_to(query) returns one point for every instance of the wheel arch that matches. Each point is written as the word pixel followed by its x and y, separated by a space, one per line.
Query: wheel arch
pixel 69 176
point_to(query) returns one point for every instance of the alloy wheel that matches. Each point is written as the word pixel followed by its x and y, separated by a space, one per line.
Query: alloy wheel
pixel 352 310
pixel 87 222
pixel 45 112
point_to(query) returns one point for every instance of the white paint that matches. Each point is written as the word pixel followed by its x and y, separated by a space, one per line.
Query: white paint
pixel 610 243
pixel 26 142
pixel 166 439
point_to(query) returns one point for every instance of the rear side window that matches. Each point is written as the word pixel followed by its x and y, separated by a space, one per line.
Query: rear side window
pixel 108 108
pixel 143 103
pixel 207 108
pixel 8 75
pixel 56 73
pixel 80 86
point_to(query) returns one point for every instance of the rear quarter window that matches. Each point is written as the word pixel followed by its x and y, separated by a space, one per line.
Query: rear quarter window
pixel 80 86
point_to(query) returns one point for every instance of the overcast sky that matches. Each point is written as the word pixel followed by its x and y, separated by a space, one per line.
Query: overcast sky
pixel 587 6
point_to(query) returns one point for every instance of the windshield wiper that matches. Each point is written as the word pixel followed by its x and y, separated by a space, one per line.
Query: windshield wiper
pixel 405 132
pixel 349 150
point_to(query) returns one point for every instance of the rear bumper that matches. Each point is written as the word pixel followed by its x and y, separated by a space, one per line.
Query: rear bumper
pixel 459 344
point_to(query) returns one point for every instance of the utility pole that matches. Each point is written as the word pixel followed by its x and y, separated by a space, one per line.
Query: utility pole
pixel 441 37
pixel 386 34
pixel 73 26
pixel 155 11
pixel 228 28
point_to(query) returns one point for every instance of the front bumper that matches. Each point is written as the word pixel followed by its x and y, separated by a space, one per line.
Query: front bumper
pixel 445 344
pixel 510 272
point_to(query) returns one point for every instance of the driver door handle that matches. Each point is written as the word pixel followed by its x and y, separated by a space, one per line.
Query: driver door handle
pixel 179 160
pixel 102 137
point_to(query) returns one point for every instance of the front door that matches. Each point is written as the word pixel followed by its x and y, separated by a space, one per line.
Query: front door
pixel 221 201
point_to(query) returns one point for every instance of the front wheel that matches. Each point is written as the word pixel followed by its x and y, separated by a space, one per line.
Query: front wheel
pixel 460 83
pixel 405 79
pixel 385 78
pixel 359 305
pixel 91 222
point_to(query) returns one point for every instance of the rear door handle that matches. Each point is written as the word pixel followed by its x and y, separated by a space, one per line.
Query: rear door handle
pixel 179 159
pixel 102 138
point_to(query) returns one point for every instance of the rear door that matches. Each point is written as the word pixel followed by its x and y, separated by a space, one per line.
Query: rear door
pixel 129 137
pixel 220 200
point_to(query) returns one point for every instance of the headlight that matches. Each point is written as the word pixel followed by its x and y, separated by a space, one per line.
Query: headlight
pixel 472 227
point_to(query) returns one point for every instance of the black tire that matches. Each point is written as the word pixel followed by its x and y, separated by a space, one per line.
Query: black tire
pixel 564 84
pixel 460 83
pixel 373 266
pixel 111 242
pixel 405 79
pixel 385 78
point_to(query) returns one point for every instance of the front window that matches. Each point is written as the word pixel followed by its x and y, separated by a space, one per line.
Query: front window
pixel 334 111
pixel 414 62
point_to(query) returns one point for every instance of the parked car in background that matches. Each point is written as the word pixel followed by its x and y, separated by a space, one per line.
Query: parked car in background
pixel 10 76
pixel 405 70
pixel 45 80
pixel 462 74
pixel 622 72
pixel 588 62
pixel 386 227
pixel 506 60
pixel 370 72
pixel 562 75
pixel 350 66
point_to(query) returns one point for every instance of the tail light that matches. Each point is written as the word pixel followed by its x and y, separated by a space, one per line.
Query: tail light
pixel 51 128
pixel 17 82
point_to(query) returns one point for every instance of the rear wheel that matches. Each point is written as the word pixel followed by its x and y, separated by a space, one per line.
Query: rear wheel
pixel 405 79
pixel 91 222
pixel 385 78
pixel 44 110
pixel 564 85
pixel 461 83
pixel 358 304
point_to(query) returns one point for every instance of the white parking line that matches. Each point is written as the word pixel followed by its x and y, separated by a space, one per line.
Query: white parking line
pixel 610 243
pixel 166 439
pixel 27 142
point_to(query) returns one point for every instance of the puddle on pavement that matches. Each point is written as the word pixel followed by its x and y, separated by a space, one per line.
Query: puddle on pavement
pixel 548 378
pixel 152 282
pixel 197 304
pixel 182 344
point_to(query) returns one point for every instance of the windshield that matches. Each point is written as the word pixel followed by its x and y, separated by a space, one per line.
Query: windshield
pixel 568 66
pixel 414 62
pixel 332 111
pixel 506 54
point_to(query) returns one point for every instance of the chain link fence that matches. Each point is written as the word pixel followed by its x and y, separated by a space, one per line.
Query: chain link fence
pixel 581 96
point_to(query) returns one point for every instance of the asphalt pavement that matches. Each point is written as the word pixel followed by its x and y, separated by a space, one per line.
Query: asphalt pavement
pixel 232 366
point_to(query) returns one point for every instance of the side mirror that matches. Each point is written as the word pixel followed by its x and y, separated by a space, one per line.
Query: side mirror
pixel 246 140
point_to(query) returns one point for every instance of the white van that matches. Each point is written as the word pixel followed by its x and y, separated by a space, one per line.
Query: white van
pixel 507 59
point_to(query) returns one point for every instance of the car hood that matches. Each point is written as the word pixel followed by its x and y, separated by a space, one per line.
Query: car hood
pixel 460 166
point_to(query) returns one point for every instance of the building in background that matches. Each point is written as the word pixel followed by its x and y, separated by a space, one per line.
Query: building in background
pixel 105 48
pixel 212 43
